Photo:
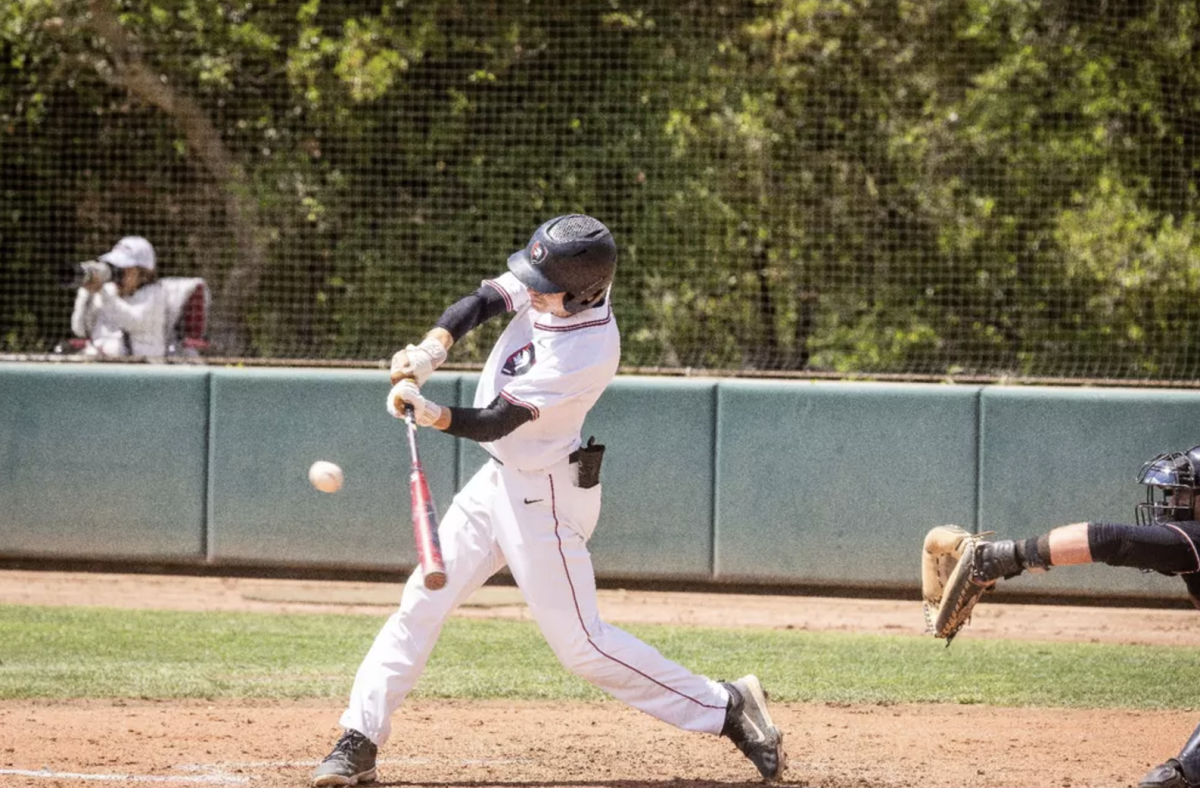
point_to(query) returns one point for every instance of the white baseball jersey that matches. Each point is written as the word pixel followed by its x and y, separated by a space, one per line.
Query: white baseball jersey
pixel 524 510
pixel 555 367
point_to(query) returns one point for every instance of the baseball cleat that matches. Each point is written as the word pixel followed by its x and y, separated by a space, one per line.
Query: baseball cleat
pixel 748 725
pixel 1165 775
pixel 351 762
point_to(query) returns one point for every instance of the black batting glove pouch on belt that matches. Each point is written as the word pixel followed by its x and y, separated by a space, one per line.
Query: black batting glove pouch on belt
pixel 590 457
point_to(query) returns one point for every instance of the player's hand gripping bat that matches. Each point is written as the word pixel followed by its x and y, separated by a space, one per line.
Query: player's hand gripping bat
pixel 424 514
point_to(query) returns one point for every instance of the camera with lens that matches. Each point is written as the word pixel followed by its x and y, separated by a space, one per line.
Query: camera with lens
pixel 92 272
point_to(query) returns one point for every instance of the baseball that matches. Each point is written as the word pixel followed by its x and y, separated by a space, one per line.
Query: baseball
pixel 325 476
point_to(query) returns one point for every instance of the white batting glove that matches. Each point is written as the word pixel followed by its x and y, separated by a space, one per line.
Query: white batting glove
pixel 418 361
pixel 408 392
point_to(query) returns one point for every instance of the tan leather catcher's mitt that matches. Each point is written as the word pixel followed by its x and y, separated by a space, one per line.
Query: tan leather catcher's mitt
pixel 948 587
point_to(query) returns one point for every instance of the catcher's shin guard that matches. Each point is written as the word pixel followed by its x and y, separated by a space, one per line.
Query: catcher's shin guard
pixel 1182 771
pixel 1189 758
pixel 1165 775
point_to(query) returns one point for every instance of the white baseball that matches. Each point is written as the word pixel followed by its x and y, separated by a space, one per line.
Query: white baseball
pixel 325 476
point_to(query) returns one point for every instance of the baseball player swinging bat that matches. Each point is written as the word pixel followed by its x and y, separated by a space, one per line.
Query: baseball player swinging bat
pixel 424 514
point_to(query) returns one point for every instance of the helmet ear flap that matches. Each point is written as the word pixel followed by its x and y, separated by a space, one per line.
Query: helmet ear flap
pixel 573 302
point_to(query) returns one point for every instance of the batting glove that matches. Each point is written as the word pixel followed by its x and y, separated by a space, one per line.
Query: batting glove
pixel 418 361
pixel 408 392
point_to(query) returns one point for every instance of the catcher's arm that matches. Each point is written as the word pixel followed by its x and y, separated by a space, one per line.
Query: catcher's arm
pixel 949 587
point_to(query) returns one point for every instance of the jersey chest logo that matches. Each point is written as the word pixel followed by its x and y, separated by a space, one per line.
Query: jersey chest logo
pixel 519 362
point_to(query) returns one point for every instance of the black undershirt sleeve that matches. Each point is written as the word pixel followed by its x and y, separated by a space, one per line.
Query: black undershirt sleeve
pixel 487 424
pixel 471 311
pixel 1162 548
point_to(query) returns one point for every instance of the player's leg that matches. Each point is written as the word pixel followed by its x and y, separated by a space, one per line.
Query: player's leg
pixel 545 544
pixel 1182 771
pixel 397 657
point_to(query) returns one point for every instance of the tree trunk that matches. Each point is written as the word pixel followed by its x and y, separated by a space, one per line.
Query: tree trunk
pixel 132 73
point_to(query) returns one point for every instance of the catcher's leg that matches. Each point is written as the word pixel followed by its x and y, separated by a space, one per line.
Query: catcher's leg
pixel 1182 771
pixel 1165 775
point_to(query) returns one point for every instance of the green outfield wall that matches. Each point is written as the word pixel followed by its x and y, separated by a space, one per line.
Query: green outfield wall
pixel 722 481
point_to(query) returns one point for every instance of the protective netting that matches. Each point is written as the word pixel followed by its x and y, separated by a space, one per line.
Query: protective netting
pixel 993 189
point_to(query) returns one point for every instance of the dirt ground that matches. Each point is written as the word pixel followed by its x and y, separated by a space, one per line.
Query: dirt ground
pixel 585 745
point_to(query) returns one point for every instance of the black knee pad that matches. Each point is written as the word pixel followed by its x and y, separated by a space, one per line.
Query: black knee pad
pixel 1161 548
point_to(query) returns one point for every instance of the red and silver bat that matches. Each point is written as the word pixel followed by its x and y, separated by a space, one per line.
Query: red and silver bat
pixel 424 515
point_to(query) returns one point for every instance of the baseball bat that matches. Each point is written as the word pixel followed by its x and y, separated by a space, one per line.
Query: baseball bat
pixel 424 514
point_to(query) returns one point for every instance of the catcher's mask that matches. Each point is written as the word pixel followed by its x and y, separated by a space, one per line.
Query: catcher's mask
pixel 574 255
pixel 1171 481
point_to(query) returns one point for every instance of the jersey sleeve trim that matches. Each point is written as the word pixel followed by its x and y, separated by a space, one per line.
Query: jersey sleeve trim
pixel 508 303
pixel 522 403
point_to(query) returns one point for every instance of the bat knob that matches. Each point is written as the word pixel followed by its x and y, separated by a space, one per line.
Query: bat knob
pixel 434 581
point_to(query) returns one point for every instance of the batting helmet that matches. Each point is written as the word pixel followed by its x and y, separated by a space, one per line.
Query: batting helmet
pixel 1166 476
pixel 573 254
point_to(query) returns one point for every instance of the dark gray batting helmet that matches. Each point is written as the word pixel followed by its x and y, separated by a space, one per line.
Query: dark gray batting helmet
pixel 573 254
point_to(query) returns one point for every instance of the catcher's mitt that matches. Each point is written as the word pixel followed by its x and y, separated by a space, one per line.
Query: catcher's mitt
pixel 948 585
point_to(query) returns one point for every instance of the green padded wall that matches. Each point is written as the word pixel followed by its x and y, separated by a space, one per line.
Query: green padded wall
pixel 656 521
pixel 269 426
pixel 775 482
pixel 838 483
pixel 103 461
pixel 1055 456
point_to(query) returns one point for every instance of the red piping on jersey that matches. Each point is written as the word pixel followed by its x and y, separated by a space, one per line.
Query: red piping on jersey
pixel 579 614
pixel 576 326
pixel 503 293
pixel 529 405
pixel 1191 544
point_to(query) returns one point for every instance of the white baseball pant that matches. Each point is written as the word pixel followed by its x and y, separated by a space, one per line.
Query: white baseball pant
pixel 538 523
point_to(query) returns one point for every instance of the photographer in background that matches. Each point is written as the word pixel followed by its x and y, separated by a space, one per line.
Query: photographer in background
pixel 121 308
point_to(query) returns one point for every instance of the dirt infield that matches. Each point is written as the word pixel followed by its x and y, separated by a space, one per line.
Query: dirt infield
pixel 605 745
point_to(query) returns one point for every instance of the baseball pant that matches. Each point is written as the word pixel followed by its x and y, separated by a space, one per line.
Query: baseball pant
pixel 537 523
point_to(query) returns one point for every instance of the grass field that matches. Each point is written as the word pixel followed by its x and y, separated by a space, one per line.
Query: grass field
pixel 58 652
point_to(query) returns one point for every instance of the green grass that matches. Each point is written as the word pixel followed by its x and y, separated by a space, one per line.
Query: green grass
pixel 48 652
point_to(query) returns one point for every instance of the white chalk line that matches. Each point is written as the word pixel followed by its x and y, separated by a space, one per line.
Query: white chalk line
pixel 411 761
pixel 216 773
pixel 218 779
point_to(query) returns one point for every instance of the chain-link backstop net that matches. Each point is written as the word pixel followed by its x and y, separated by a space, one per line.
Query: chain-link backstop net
pixel 1001 188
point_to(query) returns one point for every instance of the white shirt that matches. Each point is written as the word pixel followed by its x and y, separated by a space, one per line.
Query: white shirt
pixel 105 338
pixel 556 367
pixel 105 316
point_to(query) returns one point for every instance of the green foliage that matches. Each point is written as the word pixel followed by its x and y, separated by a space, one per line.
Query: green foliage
pixel 93 652
pixel 853 186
